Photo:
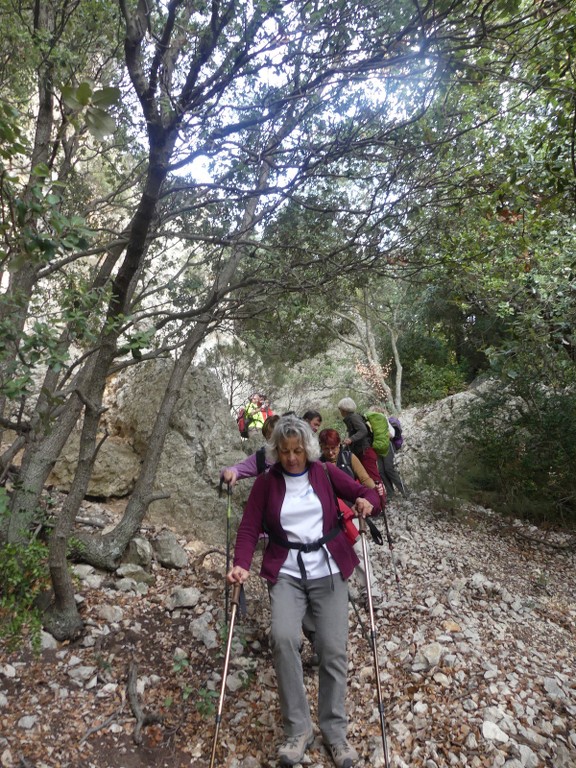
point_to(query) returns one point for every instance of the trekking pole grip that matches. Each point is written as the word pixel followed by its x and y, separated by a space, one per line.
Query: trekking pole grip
pixel 236 589
pixel 362 525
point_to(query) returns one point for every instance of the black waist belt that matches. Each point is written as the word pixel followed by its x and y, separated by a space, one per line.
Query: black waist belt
pixel 312 546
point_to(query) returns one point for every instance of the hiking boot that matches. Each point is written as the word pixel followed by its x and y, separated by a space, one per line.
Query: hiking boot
pixel 343 755
pixel 294 748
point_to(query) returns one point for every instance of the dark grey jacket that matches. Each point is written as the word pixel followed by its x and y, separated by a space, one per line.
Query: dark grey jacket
pixel 358 433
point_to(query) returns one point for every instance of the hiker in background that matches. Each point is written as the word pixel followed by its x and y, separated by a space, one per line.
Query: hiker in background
pixel 254 464
pixel 265 409
pixel 359 437
pixel 334 453
pixel 255 414
pixel 307 563
pixel 314 418
pixel 387 464
pixel 249 416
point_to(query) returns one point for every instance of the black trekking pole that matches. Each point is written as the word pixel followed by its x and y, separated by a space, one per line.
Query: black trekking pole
pixel 236 589
pixel 380 489
pixel 363 527
pixel 228 544
pixel 397 471
pixel 357 612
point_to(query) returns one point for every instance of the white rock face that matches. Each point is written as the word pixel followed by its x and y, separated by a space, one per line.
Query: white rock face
pixel 202 439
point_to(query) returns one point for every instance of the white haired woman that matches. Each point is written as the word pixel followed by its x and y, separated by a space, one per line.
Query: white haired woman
pixel 307 563
pixel 359 438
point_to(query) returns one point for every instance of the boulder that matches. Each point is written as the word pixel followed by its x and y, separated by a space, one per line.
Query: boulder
pixel 168 551
pixel 115 470
pixel 202 438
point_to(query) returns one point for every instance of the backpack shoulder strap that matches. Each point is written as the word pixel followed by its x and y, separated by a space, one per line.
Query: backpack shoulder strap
pixel 261 460
pixel 345 457
pixel 368 425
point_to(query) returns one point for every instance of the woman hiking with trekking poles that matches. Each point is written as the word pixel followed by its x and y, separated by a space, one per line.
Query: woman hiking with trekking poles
pixel 307 563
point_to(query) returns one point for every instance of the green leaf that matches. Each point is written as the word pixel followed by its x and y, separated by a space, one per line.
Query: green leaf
pixel 84 94
pixel 99 123
pixel 69 97
pixel 41 170
pixel 106 97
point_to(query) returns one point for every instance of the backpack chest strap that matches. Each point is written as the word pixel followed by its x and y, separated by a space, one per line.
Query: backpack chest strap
pixel 311 546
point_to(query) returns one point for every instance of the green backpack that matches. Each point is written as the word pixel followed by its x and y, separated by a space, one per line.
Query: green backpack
pixel 378 426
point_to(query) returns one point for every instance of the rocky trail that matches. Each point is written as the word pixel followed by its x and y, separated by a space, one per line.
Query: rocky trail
pixel 477 658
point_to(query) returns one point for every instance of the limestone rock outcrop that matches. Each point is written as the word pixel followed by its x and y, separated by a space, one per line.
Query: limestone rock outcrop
pixel 202 438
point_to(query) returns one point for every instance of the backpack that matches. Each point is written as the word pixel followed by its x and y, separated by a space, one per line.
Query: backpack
pixel 397 441
pixel 242 422
pixel 378 426
pixel 344 461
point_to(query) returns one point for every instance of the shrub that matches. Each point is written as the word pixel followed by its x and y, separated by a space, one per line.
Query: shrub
pixel 521 446
pixel 23 577
pixel 427 382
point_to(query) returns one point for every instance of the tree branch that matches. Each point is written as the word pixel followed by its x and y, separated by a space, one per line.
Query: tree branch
pixel 142 718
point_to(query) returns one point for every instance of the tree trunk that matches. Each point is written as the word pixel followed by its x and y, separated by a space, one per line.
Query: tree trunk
pixel 61 612
pixel 15 301
pixel 105 551
pixel 62 615
pixel 372 371
pixel 39 458
pixel 398 377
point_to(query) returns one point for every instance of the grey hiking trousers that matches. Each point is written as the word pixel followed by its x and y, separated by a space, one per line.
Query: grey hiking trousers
pixel 289 599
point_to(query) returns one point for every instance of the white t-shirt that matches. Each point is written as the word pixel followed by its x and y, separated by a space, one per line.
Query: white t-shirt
pixel 301 519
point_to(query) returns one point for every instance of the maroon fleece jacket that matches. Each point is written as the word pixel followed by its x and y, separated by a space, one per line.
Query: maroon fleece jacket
pixel 263 512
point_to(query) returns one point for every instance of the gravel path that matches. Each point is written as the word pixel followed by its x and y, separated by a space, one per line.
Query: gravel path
pixel 476 658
